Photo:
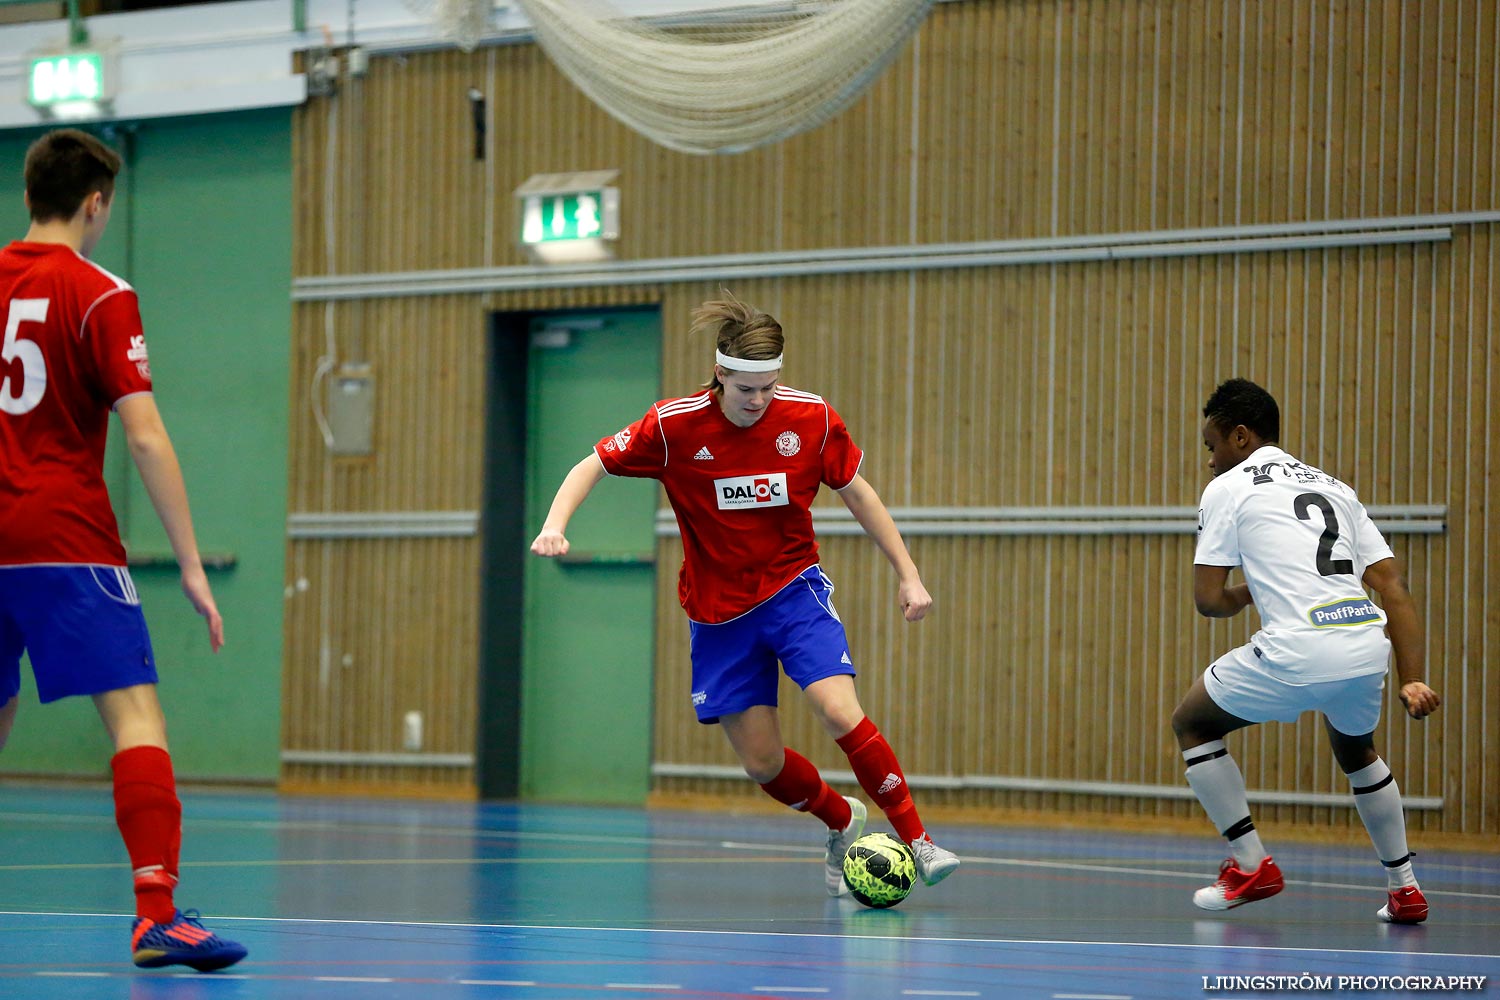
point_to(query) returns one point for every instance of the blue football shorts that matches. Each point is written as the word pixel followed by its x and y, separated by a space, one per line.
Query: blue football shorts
pixel 81 625
pixel 1241 684
pixel 734 663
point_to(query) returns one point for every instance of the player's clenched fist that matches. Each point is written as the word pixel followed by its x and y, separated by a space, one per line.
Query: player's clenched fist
pixel 550 543
pixel 1419 699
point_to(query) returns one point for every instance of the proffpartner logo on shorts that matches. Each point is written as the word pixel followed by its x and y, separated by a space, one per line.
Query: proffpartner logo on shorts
pixel 739 492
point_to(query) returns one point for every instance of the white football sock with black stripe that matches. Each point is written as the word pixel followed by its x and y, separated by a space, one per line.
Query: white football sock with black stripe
pixel 1216 780
pixel 1378 799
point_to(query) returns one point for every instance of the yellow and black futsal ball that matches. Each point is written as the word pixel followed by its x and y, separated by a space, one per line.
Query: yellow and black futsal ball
pixel 879 870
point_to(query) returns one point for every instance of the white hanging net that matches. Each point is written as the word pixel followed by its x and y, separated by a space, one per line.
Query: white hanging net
pixel 726 81
pixel 462 22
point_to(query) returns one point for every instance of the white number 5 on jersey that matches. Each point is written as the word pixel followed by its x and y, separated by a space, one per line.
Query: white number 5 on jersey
pixel 18 348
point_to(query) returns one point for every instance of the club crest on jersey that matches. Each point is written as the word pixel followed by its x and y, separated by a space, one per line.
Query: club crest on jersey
pixel 788 443
pixel 1350 611
pixel 1261 473
pixel 620 441
pixel 752 491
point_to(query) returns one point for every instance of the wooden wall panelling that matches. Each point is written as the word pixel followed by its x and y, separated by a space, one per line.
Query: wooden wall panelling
pixel 1037 384
pixel 1472 400
pixel 427 357
pixel 376 633
pixel 1069 677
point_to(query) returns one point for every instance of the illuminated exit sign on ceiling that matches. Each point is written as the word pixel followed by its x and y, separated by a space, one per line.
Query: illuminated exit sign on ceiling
pixel 69 78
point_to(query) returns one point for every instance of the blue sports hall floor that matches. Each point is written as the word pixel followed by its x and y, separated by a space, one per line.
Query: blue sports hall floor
pixel 371 899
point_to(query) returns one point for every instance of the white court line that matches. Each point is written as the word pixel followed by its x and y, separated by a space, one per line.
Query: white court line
pixel 581 838
pixel 356 827
pixel 1119 870
pixel 1072 866
pixel 782 935
pixel 76 975
pixel 1069 866
pixel 198 976
pixel 497 982
pixel 789 989
pixel 642 986
pixel 940 993
pixel 352 979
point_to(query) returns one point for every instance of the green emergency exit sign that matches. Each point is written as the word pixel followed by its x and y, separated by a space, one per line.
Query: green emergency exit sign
pixel 65 79
pixel 573 215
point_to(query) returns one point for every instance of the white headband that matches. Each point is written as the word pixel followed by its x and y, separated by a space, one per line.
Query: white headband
pixel 746 365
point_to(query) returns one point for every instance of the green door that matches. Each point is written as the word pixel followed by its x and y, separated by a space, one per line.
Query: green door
pixel 589 618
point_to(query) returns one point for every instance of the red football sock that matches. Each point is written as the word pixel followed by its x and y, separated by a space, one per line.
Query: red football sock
pixel 800 786
pixel 150 820
pixel 879 774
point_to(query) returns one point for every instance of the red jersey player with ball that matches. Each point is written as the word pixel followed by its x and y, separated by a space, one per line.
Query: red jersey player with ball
pixel 741 463
pixel 74 351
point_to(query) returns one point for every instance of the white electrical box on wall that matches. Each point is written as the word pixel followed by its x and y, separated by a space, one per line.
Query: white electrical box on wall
pixel 351 410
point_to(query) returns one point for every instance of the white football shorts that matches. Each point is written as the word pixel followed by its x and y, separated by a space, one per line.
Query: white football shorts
pixel 1244 686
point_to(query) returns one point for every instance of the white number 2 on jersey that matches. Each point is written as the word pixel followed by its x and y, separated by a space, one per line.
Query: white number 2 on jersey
pixel 18 348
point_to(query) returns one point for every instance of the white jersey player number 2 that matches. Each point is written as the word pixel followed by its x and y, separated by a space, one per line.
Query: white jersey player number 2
pixel 17 348
pixel 1327 565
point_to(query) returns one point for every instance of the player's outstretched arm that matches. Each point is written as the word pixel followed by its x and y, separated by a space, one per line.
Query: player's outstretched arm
pixel 1405 629
pixel 1213 598
pixel 156 461
pixel 866 506
pixel 575 488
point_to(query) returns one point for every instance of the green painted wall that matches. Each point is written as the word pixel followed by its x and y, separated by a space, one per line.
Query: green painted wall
pixel 589 637
pixel 202 228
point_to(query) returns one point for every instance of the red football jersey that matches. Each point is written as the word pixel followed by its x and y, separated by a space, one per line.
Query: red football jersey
pixel 73 348
pixel 742 495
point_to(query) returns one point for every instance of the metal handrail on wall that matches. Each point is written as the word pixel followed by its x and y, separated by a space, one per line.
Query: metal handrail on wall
pixel 1392 519
pixel 1324 234
pixel 384 524
pixel 1059 786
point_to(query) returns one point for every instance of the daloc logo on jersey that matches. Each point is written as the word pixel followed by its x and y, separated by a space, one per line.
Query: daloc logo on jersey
pixel 752 491
pixel 1350 611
